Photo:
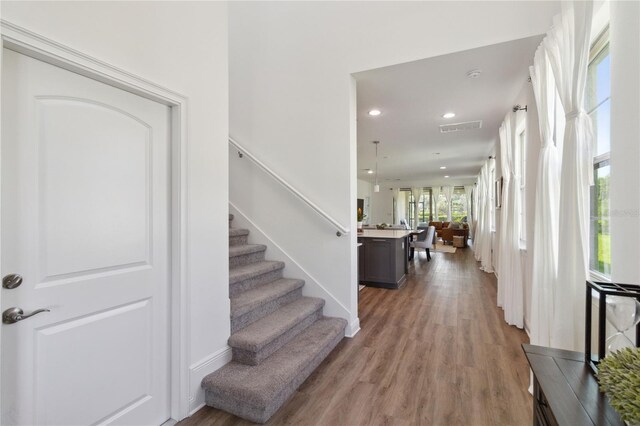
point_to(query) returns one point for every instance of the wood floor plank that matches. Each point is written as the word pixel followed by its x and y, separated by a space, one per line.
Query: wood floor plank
pixel 435 352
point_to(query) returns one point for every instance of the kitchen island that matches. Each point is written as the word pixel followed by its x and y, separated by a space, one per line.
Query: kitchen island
pixel 384 262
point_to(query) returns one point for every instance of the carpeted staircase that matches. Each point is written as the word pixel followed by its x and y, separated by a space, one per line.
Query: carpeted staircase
pixel 278 337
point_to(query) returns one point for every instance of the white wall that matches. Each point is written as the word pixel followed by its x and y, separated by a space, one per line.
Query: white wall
pixel 365 189
pixel 181 46
pixel 625 141
pixel 382 206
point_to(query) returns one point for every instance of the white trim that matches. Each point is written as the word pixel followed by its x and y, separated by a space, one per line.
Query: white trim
pixel 333 306
pixel 36 46
pixel 598 276
pixel 353 328
pixel 203 368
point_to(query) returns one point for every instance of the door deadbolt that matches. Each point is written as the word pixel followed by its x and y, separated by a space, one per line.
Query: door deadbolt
pixel 11 281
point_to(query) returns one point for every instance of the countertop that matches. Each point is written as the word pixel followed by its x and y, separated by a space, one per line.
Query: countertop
pixel 384 233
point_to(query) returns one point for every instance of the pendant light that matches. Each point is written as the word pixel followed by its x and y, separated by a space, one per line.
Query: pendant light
pixel 376 187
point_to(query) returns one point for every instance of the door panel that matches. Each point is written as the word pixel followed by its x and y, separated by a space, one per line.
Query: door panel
pixel 84 188
pixel 85 202
pixel 59 372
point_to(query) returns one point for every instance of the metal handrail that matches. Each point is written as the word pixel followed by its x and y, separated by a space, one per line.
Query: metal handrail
pixel 242 151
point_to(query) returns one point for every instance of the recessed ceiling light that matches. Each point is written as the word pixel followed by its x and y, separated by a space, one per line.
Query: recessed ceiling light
pixel 374 112
pixel 449 115
pixel 370 171
pixel 446 176
pixel 474 73
pixel 443 167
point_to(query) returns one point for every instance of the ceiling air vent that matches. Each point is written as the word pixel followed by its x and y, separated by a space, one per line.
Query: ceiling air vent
pixel 459 127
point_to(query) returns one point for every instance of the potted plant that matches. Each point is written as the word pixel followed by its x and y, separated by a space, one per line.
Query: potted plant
pixel 361 217
pixel 619 377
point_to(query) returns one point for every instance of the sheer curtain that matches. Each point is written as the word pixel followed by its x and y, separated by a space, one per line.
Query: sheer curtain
pixel 510 283
pixel 567 45
pixel 448 193
pixel 482 242
pixel 546 210
pixel 399 211
pixel 435 193
pixel 468 192
pixel 417 193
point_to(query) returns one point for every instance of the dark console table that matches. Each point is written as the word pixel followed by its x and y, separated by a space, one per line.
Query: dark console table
pixel 565 392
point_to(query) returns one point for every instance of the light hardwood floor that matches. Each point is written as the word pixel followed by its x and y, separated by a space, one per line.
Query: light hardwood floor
pixel 435 352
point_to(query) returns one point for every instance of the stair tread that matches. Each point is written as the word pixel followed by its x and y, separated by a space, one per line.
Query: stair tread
pixel 261 384
pixel 240 250
pixel 250 299
pixel 256 336
pixel 253 269
pixel 238 232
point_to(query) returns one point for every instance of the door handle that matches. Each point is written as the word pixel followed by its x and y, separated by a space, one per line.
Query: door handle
pixel 13 315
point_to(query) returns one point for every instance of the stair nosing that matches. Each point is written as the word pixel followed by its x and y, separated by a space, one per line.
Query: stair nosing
pixel 238 311
pixel 236 274
pixel 310 306
pixel 257 396
pixel 244 249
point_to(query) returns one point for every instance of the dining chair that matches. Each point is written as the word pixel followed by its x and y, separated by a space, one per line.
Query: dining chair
pixel 425 240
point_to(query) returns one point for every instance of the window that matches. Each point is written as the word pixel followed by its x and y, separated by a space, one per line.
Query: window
pixel 598 105
pixel 411 206
pixel 424 207
pixel 521 171
pixel 459 205
pixel 442 207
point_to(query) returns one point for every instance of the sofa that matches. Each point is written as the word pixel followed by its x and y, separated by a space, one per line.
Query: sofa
pixel 439 227
pixel 447 231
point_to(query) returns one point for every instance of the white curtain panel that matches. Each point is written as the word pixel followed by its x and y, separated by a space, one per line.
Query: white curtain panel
pixel 487 249
pixel 504 133
pixel 435 192
pixel 482 244
pixel 448 193
pixel 468 192
pixel 546 211
pixel 399 207
pixel 567 45
pixel 417 193
pixel 510 282
pixel 479 200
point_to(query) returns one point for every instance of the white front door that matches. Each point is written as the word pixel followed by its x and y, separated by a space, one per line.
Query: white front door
pixel 85 223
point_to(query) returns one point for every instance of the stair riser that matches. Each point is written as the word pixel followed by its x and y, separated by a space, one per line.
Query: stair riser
pixel 245 259
pixel 244 320
pixel 261 414
pixel 238 240
pixel 255 358
pixel 253 282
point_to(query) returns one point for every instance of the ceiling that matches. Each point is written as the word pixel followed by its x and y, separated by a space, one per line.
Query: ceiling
pixel 412 98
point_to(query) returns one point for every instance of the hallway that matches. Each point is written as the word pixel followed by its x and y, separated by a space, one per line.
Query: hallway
pixel 435 352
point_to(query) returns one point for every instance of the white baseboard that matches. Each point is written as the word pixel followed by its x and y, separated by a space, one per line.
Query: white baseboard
pixel 353 328
pixel 199 370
